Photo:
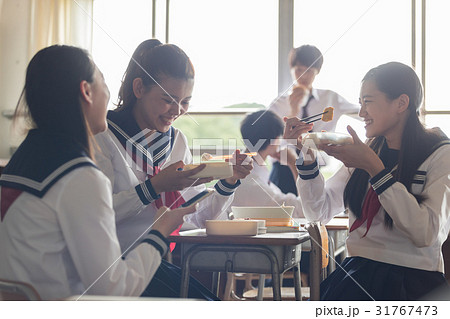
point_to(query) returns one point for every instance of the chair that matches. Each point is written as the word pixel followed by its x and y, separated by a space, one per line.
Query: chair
pixel 446 255
pixel 319 257
pixel 16 290
pixel 319 260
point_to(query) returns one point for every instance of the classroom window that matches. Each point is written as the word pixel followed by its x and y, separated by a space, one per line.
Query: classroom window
pixel 233 46
pixel 353 36
pixel 439 120
pixel 436 61
pixel 119 27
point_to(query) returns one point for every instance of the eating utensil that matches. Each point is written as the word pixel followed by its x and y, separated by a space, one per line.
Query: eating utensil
pixel 327 116
pixel 209 157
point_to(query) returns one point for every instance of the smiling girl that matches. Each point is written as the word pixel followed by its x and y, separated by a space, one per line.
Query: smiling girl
pixel 57 226
pixel 143 154
pixel 396 188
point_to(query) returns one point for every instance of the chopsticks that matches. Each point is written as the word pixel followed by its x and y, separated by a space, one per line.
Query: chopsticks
pixel 209 157
pixel 305 119
pixel 327 115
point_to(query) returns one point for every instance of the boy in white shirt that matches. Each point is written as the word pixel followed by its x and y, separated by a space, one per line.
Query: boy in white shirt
pixel 304 100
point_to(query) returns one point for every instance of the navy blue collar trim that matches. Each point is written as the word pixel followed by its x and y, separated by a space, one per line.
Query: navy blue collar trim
pixel 40 161
pixel 123 125
pixel 389 156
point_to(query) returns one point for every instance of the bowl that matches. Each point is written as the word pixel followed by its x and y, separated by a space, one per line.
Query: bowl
pixel 319 138
pixel 273 215
pixel 232 227
pixel 216 170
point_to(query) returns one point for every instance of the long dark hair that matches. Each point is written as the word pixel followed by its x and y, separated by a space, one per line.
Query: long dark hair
pixel 395 79
pixel 150 61
pixel 51 96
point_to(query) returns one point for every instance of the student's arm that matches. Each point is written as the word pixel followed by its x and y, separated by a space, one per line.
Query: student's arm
pixel 126 202
pixel 213 206
pixel 321 201
pixel 87 222
pixel 422 222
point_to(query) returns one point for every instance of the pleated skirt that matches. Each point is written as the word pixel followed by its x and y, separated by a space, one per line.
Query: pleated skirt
pixel 166 283
pixel 359 278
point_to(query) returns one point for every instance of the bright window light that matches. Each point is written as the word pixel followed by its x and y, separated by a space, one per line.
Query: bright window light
pixel 354 36
pixel 437 61
pixel 233 45
pixel 119 27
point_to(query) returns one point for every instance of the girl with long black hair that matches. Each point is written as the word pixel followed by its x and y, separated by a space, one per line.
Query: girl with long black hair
pixel 396 188
pixel 57 228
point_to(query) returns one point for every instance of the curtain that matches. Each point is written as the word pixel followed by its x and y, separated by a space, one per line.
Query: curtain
pixel 60 22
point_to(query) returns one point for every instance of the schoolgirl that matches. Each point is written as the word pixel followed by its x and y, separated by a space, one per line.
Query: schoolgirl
pixel 143 154
pixel 57 229
pixel 396 188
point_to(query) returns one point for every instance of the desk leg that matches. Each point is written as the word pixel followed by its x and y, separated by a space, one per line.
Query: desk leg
pixel 276 285
pixel 215 282
pixel 184 286
pixel 185 270
pixel 332 261
pixel 297 283
pixel 261 284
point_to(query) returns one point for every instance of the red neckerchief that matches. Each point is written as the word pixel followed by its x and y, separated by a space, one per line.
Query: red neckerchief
pixel 172 200
pixel 370 208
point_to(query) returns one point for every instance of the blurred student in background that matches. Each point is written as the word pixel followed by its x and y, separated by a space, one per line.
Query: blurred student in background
pixel 305 100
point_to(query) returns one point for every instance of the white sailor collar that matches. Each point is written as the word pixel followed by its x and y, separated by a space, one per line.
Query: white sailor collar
pixel 41 160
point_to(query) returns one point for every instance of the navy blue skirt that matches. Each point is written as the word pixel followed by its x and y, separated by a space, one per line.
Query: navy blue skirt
pixel 365 279
pixel 167 281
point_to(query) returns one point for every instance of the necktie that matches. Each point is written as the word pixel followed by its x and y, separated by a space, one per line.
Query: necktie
pixel 305 107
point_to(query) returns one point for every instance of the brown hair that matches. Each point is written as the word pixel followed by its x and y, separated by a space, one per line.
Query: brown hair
pixel 307 55
pixel 150 61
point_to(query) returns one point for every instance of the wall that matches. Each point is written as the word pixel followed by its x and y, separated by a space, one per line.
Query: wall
pixel 14 35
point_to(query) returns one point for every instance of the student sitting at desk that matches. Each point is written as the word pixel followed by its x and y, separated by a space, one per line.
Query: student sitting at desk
pixel 261 132
pixel 57 228
pixel 143 154
pixel 396 188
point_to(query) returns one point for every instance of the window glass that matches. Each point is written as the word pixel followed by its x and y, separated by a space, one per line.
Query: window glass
pixel 353 36
pixel 119 27
pixel 439 120
pixel 233 45
pixel 437 55
pixel 211 130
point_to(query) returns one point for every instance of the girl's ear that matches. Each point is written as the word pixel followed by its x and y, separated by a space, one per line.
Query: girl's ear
pixel 138 88
pixel 403 103
pixel 86 92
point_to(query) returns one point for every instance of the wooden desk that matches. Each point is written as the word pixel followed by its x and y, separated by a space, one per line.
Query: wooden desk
pixel 272 253
pixel 337 223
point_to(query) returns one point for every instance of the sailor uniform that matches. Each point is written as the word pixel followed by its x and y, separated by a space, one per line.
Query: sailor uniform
pixel 57 229
pixel 128 162
pixel 318 100
pixel 411 249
